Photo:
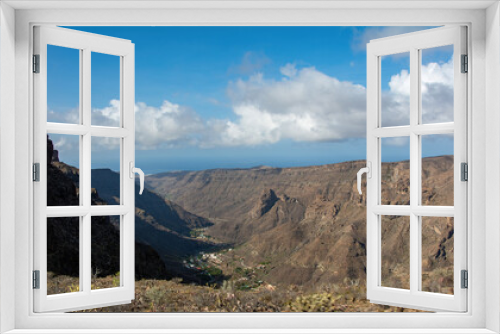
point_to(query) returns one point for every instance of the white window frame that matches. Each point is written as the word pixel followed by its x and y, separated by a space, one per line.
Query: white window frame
pixel 16 304
pixel 86 44
pixel 413 43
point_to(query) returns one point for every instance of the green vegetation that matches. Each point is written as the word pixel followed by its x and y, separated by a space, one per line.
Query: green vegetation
pixel 176 296
pixel 213 271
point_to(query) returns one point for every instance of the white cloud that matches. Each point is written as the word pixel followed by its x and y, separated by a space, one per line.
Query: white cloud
pixel 396 141
pixel 437 95
pixel 169 125
pixel 108 116
pixel 396 102
pixel 437 92
pixel 64 142
pixel 155 127
pixel 100 144
pixel 251 62
pixel 68 116
pixel 308 106
pixel 289 70
pixel 305 105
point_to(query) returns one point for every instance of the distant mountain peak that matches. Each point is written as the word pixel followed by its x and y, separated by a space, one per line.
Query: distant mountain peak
pixel 262 167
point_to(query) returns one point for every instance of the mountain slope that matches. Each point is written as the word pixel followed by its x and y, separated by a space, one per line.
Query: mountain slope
pixel 150 208
pixel 308 224
pixel 162 228
pixel 159 223
pixel 63 234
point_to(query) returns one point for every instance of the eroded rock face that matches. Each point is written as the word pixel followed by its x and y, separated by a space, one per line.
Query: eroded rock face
pixel 267 201
pixel 63 233
pixel 161 227
pixel 309 223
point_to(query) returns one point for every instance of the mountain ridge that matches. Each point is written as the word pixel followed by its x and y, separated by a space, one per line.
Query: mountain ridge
pixel 309 223
pixel 162 227
pixel 63 233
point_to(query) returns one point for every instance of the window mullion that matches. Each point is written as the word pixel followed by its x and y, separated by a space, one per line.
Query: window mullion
pixel 86 138
pixel 85 255
pixel 82 248
pixel 421 129
pixel 414 170
pixel 85 172
pixel 67 129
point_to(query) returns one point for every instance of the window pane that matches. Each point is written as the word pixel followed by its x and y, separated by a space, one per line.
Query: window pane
pixel 395 86
pixel 106 171
pixel 437 170
pixel 63 169
pixel 63 255
pixel 395 171
pixel 63 84
pixel 395 251
pixel 254 207
pixel 437 254
pixel 105 252
pixel 437 79
pixel 105 90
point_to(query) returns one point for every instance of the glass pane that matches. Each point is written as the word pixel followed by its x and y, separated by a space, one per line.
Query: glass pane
pixel 395 171
pixel 437 254
pixel 395 86
pixel 63 255
pixel 63 85
pixel 437 79
pixel 395 251
pixel 63 169
pixel 105 90
pixel 105 171
pixel 105 252
pixel 437 170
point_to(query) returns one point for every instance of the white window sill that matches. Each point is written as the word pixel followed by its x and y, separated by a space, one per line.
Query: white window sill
pixel 251 331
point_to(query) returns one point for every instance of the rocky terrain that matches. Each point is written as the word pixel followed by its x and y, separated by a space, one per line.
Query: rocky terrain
pixel 63 234
pixel 162 228
pixel 308 224
pixel 260 239
pixel 161 224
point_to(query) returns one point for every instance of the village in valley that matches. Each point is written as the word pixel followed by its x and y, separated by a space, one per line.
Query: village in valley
pixel 227 268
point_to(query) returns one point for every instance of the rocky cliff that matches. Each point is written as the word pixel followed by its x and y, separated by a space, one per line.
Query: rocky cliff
pixel 308 224
pixel 162 228
pixel 63 233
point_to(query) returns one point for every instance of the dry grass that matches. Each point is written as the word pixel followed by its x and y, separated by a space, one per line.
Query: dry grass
pixel 175 296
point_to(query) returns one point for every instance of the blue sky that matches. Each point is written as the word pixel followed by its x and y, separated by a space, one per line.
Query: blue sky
pixel 212 93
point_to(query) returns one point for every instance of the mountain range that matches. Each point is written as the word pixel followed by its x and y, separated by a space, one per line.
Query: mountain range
pixel 305 225
pixel 63 234
pixel 162 228
pixel 308 224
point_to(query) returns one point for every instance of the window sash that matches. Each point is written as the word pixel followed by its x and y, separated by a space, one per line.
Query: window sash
pixel 413 43
pixel 86 297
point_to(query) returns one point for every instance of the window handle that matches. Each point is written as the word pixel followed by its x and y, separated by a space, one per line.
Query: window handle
pixel 139 171
pixel 368 171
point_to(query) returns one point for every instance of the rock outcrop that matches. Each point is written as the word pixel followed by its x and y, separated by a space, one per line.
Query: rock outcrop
pixel 309 223
pixel 63 233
